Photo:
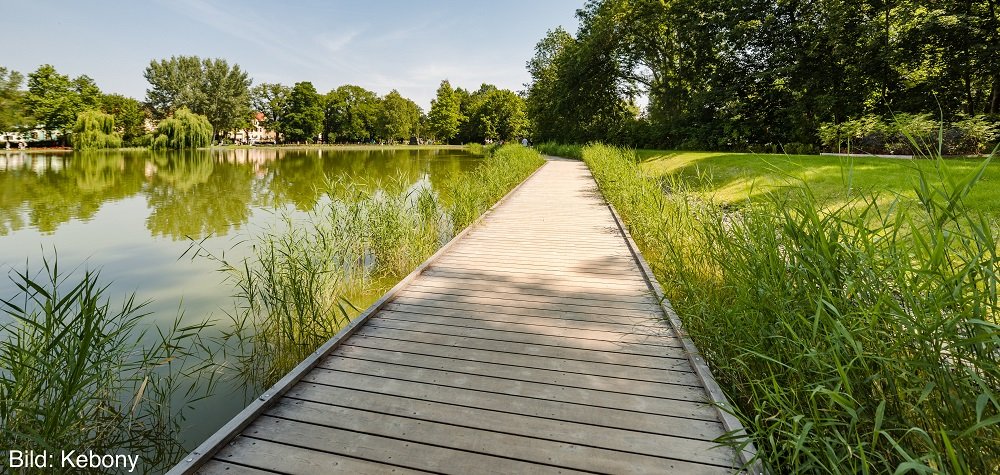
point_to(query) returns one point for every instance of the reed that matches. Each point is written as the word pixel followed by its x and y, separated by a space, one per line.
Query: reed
pixel 859 339
pixel 79 373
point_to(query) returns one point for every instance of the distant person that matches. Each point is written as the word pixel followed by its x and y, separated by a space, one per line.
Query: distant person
pixel 524 141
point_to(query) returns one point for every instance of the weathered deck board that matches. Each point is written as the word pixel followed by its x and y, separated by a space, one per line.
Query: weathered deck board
pixel 533 343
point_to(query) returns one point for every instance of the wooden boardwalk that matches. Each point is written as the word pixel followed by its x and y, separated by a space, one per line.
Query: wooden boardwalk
pixel 533 343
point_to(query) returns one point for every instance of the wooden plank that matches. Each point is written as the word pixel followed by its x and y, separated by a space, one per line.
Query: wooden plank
pixel 216 467
pixel 624 440
pixel 540 280
pixel 542 326
pixel 677 386
pixel 455 350
pixel 618 418
pixel 510 451
pixel 596 306
pixel 294 457
pixel 609 271
pixel 595 293
pixel 592 397
pixel 530 309
pixel 678 362
pixel 412 455
pixel 567 276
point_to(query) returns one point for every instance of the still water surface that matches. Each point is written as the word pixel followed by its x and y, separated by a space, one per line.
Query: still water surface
pixel 133 214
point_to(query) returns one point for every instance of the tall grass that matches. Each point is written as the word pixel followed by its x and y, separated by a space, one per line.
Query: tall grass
pixel 75 374
pixel 294 292
pixel 862 339
pixel 560 150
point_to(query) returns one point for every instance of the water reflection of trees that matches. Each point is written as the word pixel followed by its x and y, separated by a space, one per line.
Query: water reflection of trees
pixel 197 193
pixel 192 195
pixel 45 191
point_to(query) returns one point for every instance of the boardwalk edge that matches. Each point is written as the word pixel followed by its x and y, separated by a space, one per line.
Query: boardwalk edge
pixel 207 449
pixel 719 400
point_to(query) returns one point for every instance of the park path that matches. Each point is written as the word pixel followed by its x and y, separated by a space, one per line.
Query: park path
pixel 532 343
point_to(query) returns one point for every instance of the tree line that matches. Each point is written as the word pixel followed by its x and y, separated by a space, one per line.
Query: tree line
pixel 723 74
pixel 197 101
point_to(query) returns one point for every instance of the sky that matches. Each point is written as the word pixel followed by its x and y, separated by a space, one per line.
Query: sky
pixel 409 46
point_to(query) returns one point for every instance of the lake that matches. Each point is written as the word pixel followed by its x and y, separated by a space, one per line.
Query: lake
pixel 133 214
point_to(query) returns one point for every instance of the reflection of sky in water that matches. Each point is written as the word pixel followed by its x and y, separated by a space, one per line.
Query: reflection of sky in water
pixel 128 214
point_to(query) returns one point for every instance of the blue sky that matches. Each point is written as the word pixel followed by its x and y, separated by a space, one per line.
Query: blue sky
pixel 381 45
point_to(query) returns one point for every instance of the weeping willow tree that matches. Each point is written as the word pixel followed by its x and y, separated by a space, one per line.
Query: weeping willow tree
pixel 184 130
pixel 95 129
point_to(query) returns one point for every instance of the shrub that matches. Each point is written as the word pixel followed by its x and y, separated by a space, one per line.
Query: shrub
pixel 916 134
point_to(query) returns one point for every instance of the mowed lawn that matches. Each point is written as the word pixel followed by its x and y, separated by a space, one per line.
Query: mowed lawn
pixel 734 177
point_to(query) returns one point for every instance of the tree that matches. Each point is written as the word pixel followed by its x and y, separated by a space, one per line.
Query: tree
pixel 445 115
pixel 94 130
pixel 129 114
pixel 270 99
pixel 55 100
pixel 399 118
pixel 12 110
pixel 351 114
pixel 208 87
pixel 184 129
pixel 304 114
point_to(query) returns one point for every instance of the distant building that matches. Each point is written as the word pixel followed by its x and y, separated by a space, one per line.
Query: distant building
pixel 37 136
pixel 257 132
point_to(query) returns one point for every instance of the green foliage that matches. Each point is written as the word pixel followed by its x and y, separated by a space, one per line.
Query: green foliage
pixel 860 339
pixel 446 114
pixel 398 118
pixel 75 373
pixel 303 116
pixel 55 100
pixel 491 114
pixel 560 150
pixel 909 134
pixel 727 75
pixel 12 108
pixel 130 117
pixel 183 130
pixel 209 87
pixel 94 130
pixel 271 100
pixel 350 114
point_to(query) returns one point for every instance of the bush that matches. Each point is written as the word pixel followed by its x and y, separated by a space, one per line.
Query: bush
pixel 916 134
pixel 94 130
pixel 184 130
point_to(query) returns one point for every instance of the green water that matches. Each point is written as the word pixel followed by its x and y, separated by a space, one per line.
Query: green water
pixel 133 214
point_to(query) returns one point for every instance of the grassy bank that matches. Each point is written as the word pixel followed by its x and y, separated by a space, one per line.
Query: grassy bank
pixel 295 292
pixel 853 339
pixel 733 178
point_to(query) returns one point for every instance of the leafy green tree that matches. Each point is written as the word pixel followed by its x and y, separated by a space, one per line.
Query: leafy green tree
pixel 55 100
pixel 130 116
pixel 271 100
pixel 445 115
pixel 399 118
pixel 94 130
pixel 209 87
pixel 303 114
pixel 12 110
pixel 183 130
pixel 351 114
